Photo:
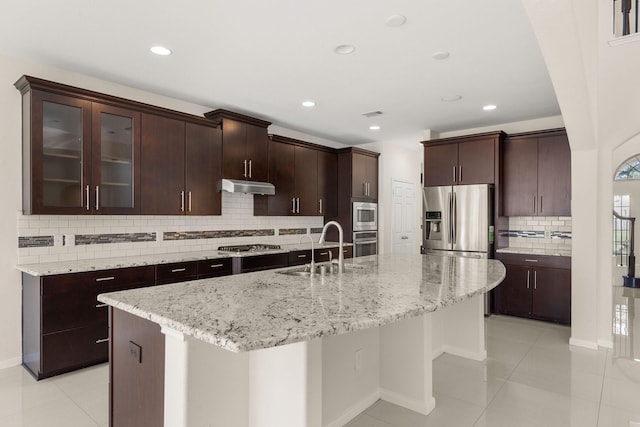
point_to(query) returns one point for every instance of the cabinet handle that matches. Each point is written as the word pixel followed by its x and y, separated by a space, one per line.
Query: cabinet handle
pixel 182 201
pixel 404 238
pixel 216 265
pixel 528 283
pixel 101 305
pixel 189 201
pixel 178 270
pixel 534 204
pixel 541 209
pixel 105 279
pixel 535 279
pixel 293 205
pixel 320 206
pixel 531 260
pixel 102 340
pixel 298 205
pixel 87 194
pixel 249 168
pixel 454 174
pixel 368 189
pixel 245 168
pixel 364 188
pixel 459 173
pixel 97 197
pixel 302 256
pixel 324 253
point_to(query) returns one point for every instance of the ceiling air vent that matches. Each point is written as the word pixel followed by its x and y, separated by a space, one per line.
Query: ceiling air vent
pixel 372 114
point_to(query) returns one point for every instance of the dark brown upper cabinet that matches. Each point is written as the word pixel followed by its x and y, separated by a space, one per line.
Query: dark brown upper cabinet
pixel 327 183
pixel 244 145
pixel 364 177
pixel 536 178
pixel 181 167
pixel 305 177
pixel 461 160
pixel 82 154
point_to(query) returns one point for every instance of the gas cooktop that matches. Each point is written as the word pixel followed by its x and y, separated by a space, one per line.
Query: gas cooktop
pixel 249 248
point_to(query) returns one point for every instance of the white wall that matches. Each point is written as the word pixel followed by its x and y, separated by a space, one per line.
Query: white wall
pixel 594 80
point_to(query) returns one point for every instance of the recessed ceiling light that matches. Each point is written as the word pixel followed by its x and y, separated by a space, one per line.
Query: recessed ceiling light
pixel 440 55
pixel 160 50
pixel 396 21
pixel 374 127
pixel 489 107
pixel 451 98
pixel 344 49
pixel 308 104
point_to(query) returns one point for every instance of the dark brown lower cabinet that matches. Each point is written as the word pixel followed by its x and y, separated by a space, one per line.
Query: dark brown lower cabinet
pixel 536 287
pixel 136 375
pixel 64 327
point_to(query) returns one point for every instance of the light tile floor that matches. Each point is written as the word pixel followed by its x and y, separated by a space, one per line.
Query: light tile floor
pixel 532 377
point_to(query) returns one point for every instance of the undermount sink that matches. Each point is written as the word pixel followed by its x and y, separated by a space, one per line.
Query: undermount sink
pixel 305 271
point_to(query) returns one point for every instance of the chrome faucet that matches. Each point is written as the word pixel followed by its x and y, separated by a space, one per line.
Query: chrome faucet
pixel 313 260
pixel 340 242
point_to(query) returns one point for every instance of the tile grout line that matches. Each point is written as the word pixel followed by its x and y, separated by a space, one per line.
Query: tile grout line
pixel 53 380
pixel 507 379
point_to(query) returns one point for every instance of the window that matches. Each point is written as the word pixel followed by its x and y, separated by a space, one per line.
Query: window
pixel 629 169
pixel 621 229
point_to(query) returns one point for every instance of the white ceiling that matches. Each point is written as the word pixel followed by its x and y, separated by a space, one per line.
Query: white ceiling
pixel 264 57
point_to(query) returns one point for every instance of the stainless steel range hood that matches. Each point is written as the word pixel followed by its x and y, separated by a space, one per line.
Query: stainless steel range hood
pixel 248 187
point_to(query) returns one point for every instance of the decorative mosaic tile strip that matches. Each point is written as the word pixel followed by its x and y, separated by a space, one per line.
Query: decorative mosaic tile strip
pixel 215 234
pixel 98 239
pixel 290 231
pixel 35 241
pixel 535 234
pixel 523 233
pixel 317 230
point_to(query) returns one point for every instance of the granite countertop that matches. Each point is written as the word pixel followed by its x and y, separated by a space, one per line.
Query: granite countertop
pixel 530 251
pixel 64 267
pixel 260 310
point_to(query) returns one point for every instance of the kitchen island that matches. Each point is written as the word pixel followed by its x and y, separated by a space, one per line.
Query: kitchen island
pixel 265 349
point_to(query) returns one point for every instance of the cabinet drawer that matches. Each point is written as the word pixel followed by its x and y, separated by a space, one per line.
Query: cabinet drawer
pixel 214 267
pixel 64 283
pixel 299 257
pixel 322 255
pixel 176 272
pixel 263 262
pixel 535 260
pixel 75 348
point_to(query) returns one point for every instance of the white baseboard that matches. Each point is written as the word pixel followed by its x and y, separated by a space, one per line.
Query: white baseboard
pixel 9 363
pixel 463 352
pixel 355 410
pixel 583 343
pixel 436 353
pixel 414 405
pixel 605 343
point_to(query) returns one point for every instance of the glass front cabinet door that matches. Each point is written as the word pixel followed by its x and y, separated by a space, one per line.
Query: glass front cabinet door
pixel 82 156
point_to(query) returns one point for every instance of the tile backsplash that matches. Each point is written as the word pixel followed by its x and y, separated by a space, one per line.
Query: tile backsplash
pixel 539 232
pixel 51 238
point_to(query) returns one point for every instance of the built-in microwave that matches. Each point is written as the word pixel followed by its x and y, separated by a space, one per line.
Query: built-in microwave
pixel 365 216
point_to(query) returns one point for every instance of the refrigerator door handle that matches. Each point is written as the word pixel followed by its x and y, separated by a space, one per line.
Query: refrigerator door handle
pixel 454 223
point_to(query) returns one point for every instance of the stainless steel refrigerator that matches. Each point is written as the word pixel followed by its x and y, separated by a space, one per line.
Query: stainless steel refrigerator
pixel 459 220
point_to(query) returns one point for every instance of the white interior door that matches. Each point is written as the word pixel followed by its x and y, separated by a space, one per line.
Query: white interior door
pixel 403 217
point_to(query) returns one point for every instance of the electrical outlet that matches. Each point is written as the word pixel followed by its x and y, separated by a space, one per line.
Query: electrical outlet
pixel 357 360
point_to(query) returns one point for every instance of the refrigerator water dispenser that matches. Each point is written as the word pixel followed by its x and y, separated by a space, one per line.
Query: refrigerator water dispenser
pixel 433 225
